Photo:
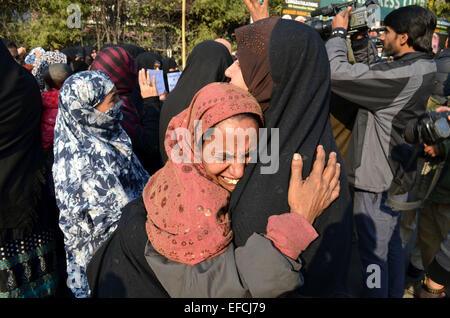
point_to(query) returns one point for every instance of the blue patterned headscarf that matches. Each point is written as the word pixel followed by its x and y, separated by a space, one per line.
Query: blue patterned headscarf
pixel 95 171
pixel 42 64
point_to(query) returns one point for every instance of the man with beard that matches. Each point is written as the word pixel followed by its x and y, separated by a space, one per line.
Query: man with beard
pixel 388 95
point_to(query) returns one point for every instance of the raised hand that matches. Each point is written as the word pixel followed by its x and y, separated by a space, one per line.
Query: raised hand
pixel 341 19
pixel 259 9
pixel 148 88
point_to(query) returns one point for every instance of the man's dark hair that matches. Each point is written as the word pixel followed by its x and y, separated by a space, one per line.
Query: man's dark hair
pixel 9 44
pixel 419 23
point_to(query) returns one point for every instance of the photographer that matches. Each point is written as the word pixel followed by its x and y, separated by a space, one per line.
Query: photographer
pixel 434 226
pixel 364 49
pixel 361 49
pixel 440 96
pixel 441 90
pixel 388 94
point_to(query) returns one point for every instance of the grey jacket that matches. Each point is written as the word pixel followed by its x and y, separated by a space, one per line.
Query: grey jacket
pixel 389 94
pixel 257 269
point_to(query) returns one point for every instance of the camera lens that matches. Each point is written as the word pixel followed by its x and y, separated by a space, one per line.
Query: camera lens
pixel 442 128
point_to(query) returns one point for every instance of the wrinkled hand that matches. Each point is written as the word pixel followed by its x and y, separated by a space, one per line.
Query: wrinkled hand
pixel 341 19
pixel 148 88
pixel 310 197
pixel 257 10
pixel 431 151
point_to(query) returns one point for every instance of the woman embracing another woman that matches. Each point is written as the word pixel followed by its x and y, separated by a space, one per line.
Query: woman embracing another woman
pixel 176 240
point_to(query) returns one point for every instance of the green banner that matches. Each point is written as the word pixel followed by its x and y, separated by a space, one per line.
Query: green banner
pixel 295 8
pixel 386 6
pixel 442 26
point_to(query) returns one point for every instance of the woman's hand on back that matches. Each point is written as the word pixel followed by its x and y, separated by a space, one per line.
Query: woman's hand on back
pixel 310 197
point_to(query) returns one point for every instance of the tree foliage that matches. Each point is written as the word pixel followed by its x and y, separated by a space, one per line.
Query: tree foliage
pixel 152 24
pixel 440 7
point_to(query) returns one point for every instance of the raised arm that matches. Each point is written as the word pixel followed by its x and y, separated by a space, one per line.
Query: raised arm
pixel 259 9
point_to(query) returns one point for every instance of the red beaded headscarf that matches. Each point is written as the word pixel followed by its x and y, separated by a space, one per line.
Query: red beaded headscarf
pixel 253 42
pixel 187 212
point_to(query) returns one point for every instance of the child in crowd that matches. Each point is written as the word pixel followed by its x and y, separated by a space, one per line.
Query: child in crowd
pixel 54 78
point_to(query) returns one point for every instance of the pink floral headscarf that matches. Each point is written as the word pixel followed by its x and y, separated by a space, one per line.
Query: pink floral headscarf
pixel 187 212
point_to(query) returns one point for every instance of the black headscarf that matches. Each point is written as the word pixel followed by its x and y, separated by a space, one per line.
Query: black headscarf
pixel 167 64
pixel 299 107
pixel 21 180
pixel 72 52
pixel 147 60
pixel 206 64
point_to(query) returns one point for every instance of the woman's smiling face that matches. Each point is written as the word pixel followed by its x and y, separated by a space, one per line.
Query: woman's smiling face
pixel 226 165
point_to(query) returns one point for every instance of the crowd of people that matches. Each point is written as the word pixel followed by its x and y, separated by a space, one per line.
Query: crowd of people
pixel 109 188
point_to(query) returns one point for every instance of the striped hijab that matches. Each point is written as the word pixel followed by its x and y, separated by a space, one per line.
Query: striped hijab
pixel 121 68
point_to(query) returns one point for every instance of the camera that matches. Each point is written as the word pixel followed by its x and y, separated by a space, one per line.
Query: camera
pixel 361 19
pixel 430 129
pixel 376 39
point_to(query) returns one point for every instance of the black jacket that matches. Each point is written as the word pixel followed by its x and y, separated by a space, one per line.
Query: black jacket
pixel 441 91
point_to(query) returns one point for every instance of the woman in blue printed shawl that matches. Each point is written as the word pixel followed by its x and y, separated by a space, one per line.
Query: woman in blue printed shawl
pixel 95 171
pixel 42 64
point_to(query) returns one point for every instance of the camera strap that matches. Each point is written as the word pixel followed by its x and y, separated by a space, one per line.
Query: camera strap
pixel 398 181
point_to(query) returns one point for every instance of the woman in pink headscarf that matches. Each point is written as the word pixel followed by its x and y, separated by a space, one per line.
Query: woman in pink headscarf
pixel 176 240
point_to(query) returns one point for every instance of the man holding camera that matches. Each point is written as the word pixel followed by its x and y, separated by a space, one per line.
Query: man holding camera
pixel 437 269
pixel 434 219
pixel 441 92
pixel 388 94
